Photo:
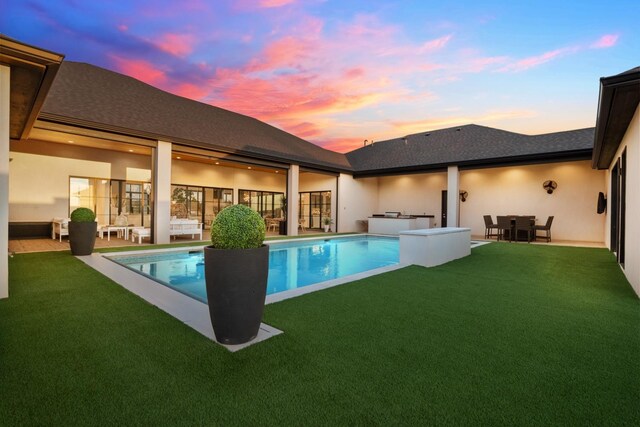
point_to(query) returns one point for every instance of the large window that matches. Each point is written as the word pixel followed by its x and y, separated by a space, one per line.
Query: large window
pixel 314 207
pixel 202 203
pixel 110 198
pixel 267 203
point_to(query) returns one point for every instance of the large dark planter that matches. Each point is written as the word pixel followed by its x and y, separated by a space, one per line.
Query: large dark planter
pixel 282 228
pixel 236 288
pixel 82 237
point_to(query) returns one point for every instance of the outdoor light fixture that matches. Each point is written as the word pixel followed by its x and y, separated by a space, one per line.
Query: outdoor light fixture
pixel 463 195
pixel 550 186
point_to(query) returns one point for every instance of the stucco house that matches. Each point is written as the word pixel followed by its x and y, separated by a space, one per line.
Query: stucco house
pixel 74 134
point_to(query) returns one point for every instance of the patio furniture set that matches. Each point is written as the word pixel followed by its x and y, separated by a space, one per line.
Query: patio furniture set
pixel 177 227
pixel 516 228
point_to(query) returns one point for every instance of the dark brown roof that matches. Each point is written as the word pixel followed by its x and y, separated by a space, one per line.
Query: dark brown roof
pixel 619 99
pixel 94 97
pixel 469 146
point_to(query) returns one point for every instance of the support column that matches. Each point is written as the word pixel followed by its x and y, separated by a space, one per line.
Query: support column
pixel 162 192
pixel 453 196
pixel 293 186
pixel 334 205
pixel 4 180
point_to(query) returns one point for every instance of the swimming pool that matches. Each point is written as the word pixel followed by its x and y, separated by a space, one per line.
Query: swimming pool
pixel 292 265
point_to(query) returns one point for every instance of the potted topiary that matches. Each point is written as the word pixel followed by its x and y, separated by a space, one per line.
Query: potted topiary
pixel 326 222
pixel 236 268
pixel 82 231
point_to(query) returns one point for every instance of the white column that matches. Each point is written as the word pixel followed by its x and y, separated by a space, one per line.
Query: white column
pixel 453 196
pixel 334 205
pixel 162 192
pixel 293 185
pixel 4 181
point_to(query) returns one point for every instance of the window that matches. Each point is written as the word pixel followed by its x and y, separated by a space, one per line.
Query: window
pixel 314 207
pixel 110 198
pixel 201 203
pixel 266 203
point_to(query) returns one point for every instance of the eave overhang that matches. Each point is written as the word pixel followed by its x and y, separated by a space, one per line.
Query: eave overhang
pixel 619 98
pixel 557 157
pixel 32 72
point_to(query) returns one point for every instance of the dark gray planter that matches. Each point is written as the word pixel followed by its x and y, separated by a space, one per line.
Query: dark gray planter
pixel 82 237
pixel 236 288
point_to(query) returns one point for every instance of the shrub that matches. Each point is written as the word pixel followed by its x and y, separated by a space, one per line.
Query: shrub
pixel 237 227
pixel 83 215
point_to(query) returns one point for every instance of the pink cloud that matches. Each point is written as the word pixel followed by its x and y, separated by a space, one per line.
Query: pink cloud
pixel 190 91
pixel 275 3
pixel 534 61
pixel 176 44
pixel 438 43
pixel 341 145
pixel 142 70
pixel 608 40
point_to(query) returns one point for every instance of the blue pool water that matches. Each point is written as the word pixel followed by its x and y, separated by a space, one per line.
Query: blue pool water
pixel 291 264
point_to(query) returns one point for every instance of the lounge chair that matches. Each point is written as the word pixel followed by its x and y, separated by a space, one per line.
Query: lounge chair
pixel 60 227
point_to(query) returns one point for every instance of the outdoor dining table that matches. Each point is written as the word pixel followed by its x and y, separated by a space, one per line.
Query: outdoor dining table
pixel 522 236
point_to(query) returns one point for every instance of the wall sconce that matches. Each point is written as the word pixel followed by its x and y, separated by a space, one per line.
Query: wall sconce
pixel 463 195
pixel 550 186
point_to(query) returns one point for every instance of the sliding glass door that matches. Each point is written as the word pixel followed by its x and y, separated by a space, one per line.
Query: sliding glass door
pixel 314 207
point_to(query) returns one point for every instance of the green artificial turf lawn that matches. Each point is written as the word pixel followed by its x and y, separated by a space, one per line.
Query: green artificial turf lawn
pixel 514 334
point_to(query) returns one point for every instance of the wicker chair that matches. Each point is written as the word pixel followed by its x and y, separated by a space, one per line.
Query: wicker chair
pixel 524 223
pixel 504 227
pixel 488 226
pixel 546 227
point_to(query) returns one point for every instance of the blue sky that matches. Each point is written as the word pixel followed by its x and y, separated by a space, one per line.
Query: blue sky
pixel 339 72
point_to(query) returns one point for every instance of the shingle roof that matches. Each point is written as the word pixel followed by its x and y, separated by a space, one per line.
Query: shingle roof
pixel 467 145
pixel 91 96
pixel 88 95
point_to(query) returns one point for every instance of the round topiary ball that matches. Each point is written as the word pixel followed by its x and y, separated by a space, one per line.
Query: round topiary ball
pixel 83 215
pixel 237 227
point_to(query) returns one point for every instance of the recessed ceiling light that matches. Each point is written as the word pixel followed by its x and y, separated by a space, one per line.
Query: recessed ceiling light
pixel 178 157
pixel 217 163
pixel 248 167
pixel 70 141
pixel 277 171
pixel 131 151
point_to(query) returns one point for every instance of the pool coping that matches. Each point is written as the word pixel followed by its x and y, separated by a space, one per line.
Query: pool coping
pixel 194 313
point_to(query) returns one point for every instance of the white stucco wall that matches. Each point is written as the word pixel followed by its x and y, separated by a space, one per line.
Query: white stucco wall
pixel 416 194
pixel 518 190
pixel 630 142
pixel 357 200
pixel 39 184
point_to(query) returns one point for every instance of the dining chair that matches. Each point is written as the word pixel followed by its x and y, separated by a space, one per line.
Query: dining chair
pixel 524 223
pixel 488 226
pixel 546 228
pixel 504 227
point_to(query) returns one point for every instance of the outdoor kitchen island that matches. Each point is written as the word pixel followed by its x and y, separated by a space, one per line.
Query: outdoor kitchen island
pixel 393 223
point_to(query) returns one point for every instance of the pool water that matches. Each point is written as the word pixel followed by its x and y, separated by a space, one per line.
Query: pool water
pixel 292 265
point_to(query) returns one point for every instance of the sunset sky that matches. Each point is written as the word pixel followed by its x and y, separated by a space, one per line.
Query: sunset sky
pixel 338 72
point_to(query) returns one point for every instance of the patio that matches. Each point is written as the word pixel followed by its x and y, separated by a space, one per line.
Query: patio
pixel 45 245
pixel 474 341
